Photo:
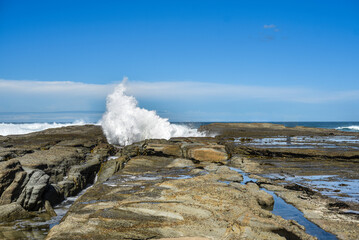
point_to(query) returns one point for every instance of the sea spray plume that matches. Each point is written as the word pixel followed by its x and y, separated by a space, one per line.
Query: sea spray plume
pixel 124 122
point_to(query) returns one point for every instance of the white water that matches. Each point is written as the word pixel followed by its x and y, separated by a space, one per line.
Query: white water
pixel 24 128
pixel 124 122
pixel 355 128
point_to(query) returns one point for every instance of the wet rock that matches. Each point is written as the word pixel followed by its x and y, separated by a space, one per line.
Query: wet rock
pixel 49 209
pixel 54 194
pixel 297 187
pixel 338 205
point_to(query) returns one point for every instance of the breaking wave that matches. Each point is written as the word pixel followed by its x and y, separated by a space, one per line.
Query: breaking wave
pixel 24 128
pixel 349 128
pixel 124 122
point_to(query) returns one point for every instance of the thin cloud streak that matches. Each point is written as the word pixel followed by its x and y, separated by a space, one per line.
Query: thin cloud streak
pixel 173 91
pixel 58 87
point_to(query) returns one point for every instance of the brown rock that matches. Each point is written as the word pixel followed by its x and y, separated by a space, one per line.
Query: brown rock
pixel 163 149
pixel 13 211
pixel 13 191
pixel 8 170
pixel 146 200
pixel 49 209
pixel 216 153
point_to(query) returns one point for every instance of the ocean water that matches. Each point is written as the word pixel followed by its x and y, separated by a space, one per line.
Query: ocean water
pixel 30 124
pixel 124 122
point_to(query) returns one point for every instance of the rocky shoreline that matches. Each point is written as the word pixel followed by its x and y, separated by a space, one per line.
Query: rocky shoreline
pixel 182 188
pixel 39 170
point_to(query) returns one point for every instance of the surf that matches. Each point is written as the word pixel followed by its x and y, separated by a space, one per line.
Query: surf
pixel 124 122
pixel 25 128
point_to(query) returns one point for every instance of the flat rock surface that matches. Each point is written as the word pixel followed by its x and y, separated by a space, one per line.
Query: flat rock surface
pixel 152 198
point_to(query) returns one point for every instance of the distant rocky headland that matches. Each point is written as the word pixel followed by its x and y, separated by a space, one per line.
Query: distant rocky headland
pixel 231 186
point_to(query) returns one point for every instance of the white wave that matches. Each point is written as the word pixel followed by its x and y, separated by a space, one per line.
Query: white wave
pixel 354 127
pixel 125 123
pixel 24 128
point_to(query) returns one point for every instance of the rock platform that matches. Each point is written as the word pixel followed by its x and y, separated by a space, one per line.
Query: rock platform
pixel 182 188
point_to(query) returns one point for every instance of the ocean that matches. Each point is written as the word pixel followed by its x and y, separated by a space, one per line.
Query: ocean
pixel 23 123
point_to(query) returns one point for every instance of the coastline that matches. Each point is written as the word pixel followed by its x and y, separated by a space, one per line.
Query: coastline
pixel 178 173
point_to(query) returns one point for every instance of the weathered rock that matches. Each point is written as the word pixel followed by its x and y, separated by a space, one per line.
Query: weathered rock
pixel 216 153
pixel 181 162
pixel 110 167
pixel 54 194
pixel 8 170
pixel 185 238
pixel 31 196
pixel 55 161
pixel 149 198
pixel 49 209
pixel 13 211
pixel 163 149
pixel 13 191
pixel 264 199
pixel 70 156
pixel 227 174
pixel 85 173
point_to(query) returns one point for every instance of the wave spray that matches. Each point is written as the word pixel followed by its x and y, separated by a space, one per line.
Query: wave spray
pixel 125 123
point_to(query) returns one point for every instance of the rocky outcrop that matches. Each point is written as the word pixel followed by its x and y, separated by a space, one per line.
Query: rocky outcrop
pixel 19 186
pixel 110 167
pixel 199 150
pixel 50 165
pixel 31 195
pixel 8 171
pixel 12 178
pixel 264 130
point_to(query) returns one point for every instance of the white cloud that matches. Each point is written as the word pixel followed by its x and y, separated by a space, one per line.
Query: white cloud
pixel 59 87
pixel 77 95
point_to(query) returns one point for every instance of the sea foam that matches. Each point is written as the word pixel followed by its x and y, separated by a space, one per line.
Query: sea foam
pixel 352 128
pixel 24 128
pixel 124 122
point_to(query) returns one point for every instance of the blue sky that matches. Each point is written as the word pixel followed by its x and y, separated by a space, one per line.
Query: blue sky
pixel 188 60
